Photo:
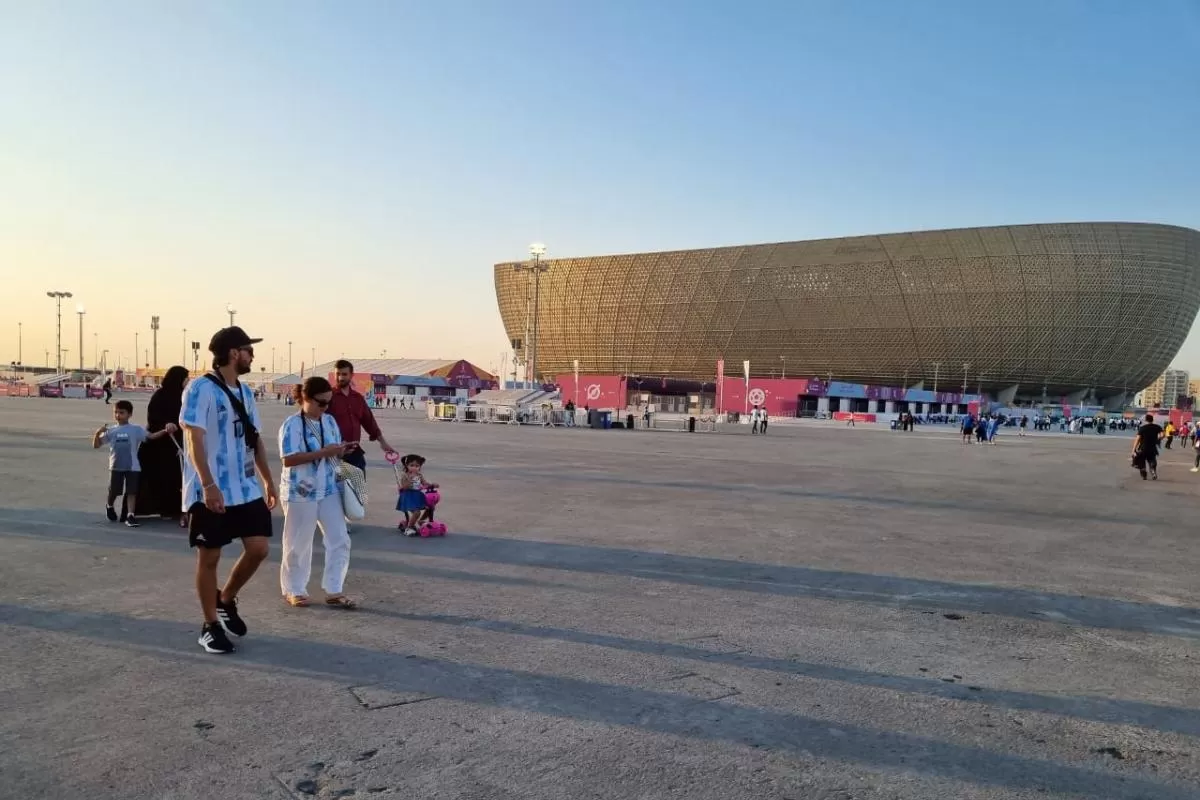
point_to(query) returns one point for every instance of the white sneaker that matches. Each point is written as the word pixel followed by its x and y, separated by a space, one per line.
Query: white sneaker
pixel 1194 469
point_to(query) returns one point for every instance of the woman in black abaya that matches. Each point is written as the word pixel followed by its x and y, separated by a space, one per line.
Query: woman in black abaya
pixel 162 474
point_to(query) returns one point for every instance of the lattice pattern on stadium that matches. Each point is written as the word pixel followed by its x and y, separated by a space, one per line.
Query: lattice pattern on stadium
pixel 1101 306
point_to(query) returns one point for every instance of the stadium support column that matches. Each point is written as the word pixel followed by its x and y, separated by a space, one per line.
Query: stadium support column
pixel 1116 402
pixel 1006 396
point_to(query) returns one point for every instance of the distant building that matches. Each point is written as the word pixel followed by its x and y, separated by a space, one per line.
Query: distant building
pixel 1167 389
pixel 1193 389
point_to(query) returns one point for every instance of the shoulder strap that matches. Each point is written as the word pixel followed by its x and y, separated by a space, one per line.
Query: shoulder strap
pixel 304 430
pixel 239 407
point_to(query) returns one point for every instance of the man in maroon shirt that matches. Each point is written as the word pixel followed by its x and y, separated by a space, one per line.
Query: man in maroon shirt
pixel 352 414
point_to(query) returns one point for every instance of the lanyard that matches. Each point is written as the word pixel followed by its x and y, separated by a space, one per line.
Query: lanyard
pixel 304 431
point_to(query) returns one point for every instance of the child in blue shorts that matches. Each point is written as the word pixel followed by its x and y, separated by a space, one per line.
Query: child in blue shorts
pixel 411 502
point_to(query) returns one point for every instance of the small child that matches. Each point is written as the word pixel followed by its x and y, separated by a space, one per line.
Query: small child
pixel 123 440
pixel 412 495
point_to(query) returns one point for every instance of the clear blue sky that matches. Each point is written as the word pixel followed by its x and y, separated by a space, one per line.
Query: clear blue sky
pixel 168 157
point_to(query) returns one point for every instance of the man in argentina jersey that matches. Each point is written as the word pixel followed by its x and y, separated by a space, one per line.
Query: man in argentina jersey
pixel 228 491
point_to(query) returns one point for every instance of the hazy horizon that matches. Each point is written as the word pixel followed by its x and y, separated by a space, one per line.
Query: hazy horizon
pixel 347 176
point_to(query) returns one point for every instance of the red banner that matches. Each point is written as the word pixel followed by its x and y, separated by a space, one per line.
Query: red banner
pixel 846 416
pixel 595 391
pixel 1178 417
pixel 777 395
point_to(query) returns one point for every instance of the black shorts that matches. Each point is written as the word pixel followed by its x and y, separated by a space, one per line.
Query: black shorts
pixel 214 531
pixel 123 482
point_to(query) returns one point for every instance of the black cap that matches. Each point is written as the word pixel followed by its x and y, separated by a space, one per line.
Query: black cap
pixel 228 339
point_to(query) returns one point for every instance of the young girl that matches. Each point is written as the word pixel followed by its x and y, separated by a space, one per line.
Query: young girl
pixel 412 494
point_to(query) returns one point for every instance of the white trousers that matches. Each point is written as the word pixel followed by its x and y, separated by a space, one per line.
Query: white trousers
pixel 300 521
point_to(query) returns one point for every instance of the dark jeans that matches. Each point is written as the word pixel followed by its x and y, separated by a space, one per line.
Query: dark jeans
pixel 357 458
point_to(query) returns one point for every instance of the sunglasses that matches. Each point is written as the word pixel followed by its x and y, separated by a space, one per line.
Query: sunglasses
pixel 320 402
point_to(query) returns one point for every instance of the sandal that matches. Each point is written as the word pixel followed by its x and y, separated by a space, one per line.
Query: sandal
pixel 341 601
pixel 296 600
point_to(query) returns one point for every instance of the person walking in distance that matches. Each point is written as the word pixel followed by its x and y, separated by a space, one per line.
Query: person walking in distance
pixel 228 492
pixel 353 416
pixel 1145 448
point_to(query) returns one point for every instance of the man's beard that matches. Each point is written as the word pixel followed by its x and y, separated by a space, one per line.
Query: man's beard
pixel 243 368
pixel 343 383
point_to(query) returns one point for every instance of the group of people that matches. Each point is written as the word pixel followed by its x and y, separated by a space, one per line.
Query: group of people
pixel 981 429
pixel 758 419
pixel 407 401
pixel 202 459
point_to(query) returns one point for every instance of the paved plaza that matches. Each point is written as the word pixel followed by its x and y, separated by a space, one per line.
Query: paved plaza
pixel 819 613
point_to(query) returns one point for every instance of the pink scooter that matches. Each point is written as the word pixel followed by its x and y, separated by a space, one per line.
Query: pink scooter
pixel 430 527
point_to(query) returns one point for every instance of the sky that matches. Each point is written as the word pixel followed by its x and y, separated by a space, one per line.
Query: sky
pixel 347 174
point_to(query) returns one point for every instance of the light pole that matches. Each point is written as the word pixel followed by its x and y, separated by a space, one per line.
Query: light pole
pixel 231 311
pixel 936 366
pixel 272 359
pixel 104 362
pixel 58 298
pixel 966 367
pixel 20 342
pixel 782 370
pixel 289 358
pixel 185 345
pixel 537 250
pixel 95 349
pixel 154 333
pixel 80 310
pixel 136 350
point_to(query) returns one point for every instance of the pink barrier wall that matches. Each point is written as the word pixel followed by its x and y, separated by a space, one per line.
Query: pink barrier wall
pixel 595 391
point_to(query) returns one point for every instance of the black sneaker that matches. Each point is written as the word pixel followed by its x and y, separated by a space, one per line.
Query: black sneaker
pixel 214 640
pixel 131 522
pixel 111 513
pixel 227 613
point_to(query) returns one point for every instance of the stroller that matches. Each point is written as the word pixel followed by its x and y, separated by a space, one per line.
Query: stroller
pixel 427 525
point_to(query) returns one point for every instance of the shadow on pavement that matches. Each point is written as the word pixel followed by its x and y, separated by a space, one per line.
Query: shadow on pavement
pixel 1099 709
pixel 784 580
pixel 569 698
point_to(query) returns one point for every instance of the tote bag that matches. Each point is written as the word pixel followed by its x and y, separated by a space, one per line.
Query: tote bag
pixel 354 491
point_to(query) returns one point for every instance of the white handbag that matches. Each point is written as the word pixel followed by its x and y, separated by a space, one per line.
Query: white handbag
pixel 354 491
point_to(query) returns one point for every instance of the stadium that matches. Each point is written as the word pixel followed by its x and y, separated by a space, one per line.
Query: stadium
pixel 1092 310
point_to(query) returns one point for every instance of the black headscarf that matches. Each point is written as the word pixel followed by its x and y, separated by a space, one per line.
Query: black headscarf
pixel 167 400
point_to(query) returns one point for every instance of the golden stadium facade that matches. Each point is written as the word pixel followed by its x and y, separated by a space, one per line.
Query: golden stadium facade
pixel 1094 307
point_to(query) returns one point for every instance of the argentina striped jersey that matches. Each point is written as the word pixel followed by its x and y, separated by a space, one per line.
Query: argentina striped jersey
pixel 207 407
pixel 315 480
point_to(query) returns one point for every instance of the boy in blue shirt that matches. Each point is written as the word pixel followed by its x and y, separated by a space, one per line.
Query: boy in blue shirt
pixel 123 440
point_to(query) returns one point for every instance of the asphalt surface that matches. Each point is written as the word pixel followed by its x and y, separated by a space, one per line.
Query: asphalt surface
pixel 818 613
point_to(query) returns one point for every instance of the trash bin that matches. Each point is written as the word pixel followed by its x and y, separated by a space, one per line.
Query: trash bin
pixel 629 421
pixel 691 424
pixel 606 420
pixel 893 424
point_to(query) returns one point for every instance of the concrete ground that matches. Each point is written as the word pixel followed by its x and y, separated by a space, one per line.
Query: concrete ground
pixel 818 613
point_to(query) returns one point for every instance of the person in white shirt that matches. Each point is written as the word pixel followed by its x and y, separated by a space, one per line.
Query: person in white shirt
pixel 311 448
pixel 228 492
